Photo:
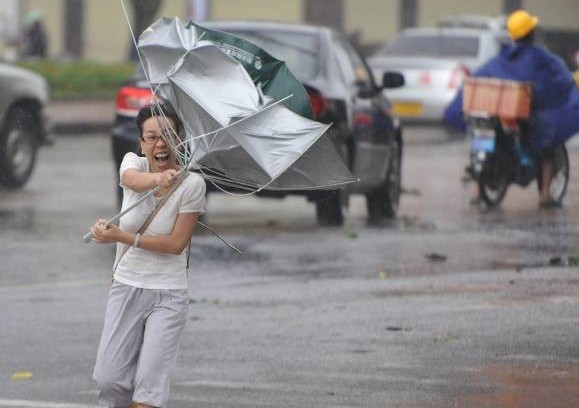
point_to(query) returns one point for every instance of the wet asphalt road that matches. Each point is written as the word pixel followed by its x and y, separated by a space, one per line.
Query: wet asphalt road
pixel 448 306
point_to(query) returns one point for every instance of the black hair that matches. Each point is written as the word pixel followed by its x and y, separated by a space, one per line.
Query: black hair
pixel 158 109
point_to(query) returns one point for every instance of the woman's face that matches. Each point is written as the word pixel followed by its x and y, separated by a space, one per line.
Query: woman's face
pixel 155 148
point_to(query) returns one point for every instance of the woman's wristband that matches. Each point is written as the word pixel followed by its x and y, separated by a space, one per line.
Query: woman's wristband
pixel 137 240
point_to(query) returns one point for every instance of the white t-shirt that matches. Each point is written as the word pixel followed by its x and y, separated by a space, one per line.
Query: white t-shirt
pixel 147 269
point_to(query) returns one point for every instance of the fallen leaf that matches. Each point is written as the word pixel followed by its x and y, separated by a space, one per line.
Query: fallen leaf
pixel 433 256
pixel 21 375
pixel 556 261
pixel 410 191
pixel 350 233
pixel 448 338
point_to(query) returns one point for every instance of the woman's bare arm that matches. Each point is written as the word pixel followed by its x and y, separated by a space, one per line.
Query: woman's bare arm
pixel 173 243
pixel 142 181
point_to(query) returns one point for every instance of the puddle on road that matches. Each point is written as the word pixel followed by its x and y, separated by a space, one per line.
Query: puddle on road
pixel 22 219
pixel 219 251
pixel 409 246
pixel 522 242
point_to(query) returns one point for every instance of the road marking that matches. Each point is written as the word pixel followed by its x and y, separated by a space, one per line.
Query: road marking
pixel 234 385
pixel 41 404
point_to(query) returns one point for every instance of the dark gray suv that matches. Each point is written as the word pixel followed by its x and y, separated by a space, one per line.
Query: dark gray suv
pixel 342 91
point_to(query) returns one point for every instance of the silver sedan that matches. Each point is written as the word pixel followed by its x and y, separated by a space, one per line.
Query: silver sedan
pixel 434 62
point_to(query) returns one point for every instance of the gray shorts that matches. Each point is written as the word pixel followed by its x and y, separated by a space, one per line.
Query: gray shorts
pixel 139 345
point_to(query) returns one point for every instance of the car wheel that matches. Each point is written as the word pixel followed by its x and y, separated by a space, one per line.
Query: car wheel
pixel 329 208
pixel 383 202
pixel 18 147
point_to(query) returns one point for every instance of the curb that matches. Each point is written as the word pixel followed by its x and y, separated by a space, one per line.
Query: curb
pixel 77 117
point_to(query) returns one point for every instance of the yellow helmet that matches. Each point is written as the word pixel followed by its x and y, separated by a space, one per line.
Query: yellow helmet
pixel 521 23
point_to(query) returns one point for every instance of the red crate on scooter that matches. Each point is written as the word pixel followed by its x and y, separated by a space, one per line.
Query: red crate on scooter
pixel 497 97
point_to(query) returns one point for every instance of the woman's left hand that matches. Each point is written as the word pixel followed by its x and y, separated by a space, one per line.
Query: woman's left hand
pixel 103 233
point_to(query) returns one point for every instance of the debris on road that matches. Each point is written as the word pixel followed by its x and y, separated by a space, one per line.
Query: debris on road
pixel 435 257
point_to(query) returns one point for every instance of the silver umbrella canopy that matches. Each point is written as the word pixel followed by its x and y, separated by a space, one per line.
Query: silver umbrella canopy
pixel 237 135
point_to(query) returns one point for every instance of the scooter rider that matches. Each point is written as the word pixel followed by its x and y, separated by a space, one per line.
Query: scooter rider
pixel 555 101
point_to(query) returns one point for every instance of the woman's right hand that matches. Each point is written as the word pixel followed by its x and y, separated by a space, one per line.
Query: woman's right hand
pixel 103 233
pixel 167 178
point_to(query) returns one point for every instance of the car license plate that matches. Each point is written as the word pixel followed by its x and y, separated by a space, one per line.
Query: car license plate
pixel 407 109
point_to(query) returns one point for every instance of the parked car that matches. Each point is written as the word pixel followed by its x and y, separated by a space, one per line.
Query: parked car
pixel 342 91
pixel 23 124
pixel 434 62
pixel 498 24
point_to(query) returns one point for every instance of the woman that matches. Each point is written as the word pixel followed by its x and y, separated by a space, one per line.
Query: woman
pixel 148 301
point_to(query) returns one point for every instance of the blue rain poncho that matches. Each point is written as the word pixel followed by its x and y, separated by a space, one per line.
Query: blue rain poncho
pixel 555 98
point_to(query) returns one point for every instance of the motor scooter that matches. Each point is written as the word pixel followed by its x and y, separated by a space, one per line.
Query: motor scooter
pixel 496 116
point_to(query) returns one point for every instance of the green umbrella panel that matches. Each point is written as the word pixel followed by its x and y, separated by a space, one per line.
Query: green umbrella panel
pixel 268 73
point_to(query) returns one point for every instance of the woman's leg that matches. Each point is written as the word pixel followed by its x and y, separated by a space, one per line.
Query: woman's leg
pixel 547 171
pixel 119 346
pixel 160 346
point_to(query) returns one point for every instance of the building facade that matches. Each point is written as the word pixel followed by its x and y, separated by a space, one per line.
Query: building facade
pixel 105 32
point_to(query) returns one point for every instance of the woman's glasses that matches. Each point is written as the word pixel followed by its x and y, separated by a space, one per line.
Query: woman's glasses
pixel 152 138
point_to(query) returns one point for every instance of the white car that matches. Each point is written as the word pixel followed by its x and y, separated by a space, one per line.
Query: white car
pixel 23 124
pixel 434 62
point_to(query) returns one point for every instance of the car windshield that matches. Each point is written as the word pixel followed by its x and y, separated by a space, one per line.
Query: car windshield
pixel 438 45
pixel 298 50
